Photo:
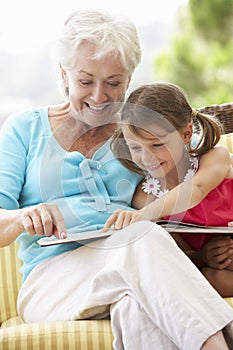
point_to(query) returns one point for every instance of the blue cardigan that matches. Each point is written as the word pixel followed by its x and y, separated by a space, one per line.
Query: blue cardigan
pixel 34 169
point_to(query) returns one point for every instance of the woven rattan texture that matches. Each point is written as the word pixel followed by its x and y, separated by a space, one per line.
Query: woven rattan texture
pixel 222 112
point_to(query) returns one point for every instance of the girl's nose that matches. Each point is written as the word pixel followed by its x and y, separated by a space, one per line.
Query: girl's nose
pixel 147 156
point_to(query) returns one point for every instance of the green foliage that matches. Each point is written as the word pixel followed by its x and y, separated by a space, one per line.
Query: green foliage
pixel 200 58
pixel 213 18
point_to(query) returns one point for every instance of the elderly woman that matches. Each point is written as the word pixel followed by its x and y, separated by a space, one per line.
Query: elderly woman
pixel 58 175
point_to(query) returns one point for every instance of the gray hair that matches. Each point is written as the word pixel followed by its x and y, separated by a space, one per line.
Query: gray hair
pixel 110 35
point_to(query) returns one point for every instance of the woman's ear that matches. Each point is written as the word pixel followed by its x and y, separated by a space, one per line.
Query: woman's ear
pixel 64 76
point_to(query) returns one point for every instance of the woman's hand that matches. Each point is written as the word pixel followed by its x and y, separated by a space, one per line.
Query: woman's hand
pixel 43 220
pixel 218 252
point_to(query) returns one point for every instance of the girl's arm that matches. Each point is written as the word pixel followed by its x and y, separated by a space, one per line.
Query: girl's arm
pixel 141 198
pixel 214 167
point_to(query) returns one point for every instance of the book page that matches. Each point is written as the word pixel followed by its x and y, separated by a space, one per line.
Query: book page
pixel 74 237
pixel 181 227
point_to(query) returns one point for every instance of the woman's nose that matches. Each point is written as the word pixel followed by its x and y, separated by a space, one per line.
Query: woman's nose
pixel 98 94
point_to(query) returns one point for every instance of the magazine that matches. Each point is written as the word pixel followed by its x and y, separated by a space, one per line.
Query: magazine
pixel 181 227
pixel 86 236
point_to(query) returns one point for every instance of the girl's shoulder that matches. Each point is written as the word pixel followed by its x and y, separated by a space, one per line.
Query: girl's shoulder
pixel 218 158
pixel 219 153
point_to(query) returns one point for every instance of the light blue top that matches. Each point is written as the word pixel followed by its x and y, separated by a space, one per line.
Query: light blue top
pixel 34 168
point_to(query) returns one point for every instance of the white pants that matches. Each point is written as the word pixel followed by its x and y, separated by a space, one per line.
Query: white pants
pixel 156 297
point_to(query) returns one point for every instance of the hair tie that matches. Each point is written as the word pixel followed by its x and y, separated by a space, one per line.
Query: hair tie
pixel 194 113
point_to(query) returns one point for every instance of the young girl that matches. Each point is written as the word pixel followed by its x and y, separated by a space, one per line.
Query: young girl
pixel 183 182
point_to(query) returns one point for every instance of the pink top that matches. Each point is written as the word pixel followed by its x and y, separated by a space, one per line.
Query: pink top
pixel 216 209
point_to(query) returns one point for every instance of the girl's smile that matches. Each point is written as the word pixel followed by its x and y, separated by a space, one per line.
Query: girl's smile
pixel 160 155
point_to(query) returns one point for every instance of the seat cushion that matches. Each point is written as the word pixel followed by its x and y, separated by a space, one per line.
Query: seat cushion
pixel 10 281
pixel 227 141
pixel 69 335
pixel 12 322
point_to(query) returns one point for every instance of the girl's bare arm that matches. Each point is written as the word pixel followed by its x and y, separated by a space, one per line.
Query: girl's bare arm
pixel 214 167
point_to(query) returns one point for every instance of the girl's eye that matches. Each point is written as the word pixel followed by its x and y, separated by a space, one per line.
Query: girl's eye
pixel 134 148
pixel 158 144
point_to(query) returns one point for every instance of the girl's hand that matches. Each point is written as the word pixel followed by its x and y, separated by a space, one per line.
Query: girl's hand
pixel 43 220
pixel 218 252
pixel 122 218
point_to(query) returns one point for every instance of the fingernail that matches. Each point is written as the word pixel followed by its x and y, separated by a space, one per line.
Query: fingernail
pixel 62 235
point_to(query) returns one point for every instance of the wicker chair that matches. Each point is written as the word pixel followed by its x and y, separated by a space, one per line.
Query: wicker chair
pixel 69 335
pixel 223 113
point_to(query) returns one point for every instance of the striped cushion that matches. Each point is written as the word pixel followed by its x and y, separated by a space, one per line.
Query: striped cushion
pixel 10 281
pixel 15 334
pixel 70 335
pixel 227 141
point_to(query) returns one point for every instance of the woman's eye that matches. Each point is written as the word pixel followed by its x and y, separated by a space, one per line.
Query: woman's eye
pixel 85 82
pixel 113 83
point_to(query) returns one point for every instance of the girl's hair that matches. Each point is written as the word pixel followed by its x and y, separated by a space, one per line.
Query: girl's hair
pixel 110 35
pixel 165 105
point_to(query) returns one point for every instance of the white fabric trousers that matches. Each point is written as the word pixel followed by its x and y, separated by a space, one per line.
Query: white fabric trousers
pixel 156 297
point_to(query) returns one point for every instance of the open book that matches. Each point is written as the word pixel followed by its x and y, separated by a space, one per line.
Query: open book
pixel 181 227
pixel 86 236
pixel 170 226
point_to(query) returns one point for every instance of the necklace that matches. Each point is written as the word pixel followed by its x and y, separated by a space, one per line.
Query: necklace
pixel 151 185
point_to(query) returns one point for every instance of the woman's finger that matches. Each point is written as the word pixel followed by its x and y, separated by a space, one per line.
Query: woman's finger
pixel 28 224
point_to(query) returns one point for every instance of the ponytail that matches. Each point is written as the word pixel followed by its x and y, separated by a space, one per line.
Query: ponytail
pixel 209 131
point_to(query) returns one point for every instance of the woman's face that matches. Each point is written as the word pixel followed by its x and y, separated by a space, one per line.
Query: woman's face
pixel 159 154
pixel 94 85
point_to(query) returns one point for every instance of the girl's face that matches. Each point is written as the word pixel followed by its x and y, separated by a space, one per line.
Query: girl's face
pixel 94 85
pixel 159 154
